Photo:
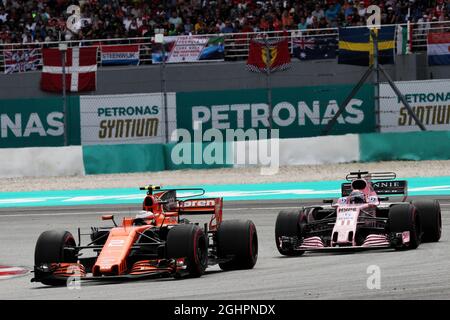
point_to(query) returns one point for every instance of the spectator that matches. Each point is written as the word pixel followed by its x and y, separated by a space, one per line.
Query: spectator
pixel 172 30
pixel 228 27
pixel 287 20
pixel 348 9
pixel 302 25
pixel 127 21
pixel 362 9
pixel 46 19
pixel 188 27
pixel 3 15
pixel 175 19
pixel 309 19
pixel 332 12
pixel 318 12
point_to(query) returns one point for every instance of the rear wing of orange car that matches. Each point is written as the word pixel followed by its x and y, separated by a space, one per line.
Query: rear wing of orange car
pixel 211 206
pixel 187 203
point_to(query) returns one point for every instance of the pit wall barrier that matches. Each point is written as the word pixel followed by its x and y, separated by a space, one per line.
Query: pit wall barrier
pixel 100 159
pixel 415 146
pixel 371 147
pixel 41 162
pixel 127 158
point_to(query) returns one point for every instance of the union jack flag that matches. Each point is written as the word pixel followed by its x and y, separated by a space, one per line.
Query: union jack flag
pixel 22 60
pixel 303 43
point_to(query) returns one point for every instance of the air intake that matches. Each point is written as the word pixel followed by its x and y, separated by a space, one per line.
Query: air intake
pixel 359 184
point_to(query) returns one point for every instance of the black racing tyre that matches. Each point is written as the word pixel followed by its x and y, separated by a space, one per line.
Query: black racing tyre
pixel 239 239
pixel 430 219
pixel 50 249
pixel 190 242
pixel 404 217
pixel 289 224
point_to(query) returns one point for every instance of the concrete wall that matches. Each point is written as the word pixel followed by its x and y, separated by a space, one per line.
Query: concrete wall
pixel 222 76
pixel 41 162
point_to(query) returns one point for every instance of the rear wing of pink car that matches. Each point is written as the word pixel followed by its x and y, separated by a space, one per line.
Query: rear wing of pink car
pixel 382 187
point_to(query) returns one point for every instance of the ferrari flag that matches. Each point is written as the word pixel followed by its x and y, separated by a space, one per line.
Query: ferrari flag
pixel 80 69
pixel 356 46
pixel 268 56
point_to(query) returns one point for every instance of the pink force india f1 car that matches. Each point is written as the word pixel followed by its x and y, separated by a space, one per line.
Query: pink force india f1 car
pixel 360 219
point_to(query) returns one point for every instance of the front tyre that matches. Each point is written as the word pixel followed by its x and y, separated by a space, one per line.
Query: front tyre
pixel 404 217
pixel 188 241
pixel 289 224
pixel 54 246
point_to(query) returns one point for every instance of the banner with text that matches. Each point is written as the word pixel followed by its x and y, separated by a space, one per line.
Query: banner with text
pixel 126 118
pixel 120 55
pixel 297 112
pixel 38 122
pixel 189 49
pixel 430 101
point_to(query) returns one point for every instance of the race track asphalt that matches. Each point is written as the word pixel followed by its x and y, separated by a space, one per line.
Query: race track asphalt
pixel 416 274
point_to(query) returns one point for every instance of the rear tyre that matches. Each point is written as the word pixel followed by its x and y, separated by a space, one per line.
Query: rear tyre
pixel 188 241
pixel 52 247
pixel 430 219
pixel 289 224
pixel 404 217
pixel 238 239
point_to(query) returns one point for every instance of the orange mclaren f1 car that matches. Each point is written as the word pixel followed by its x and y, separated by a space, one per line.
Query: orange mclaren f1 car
pixel 159 241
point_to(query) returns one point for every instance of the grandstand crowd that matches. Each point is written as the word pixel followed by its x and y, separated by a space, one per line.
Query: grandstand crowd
pixel 27 21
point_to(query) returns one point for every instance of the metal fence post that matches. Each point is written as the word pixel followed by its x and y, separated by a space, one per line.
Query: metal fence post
pixel 376 80
pixel 268 84
pixel 159 38
pixel 63 49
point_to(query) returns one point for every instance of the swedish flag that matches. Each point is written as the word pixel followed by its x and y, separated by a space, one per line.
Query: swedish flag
pixel 356 46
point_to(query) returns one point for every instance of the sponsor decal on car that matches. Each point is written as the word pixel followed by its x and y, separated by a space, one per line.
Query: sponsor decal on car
pixel 199 203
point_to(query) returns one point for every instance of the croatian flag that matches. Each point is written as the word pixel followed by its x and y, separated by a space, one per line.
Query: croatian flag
pixel 120 55
pixel 438 48
pixel 80 69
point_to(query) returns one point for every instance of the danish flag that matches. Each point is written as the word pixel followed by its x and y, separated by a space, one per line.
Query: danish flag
pixel 80 69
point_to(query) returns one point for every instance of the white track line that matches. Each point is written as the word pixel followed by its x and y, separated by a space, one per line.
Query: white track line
pixel 30 215
pixel 81 213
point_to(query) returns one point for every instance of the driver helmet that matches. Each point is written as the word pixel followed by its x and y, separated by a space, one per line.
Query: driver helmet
pixel 357 196
pixel 146 215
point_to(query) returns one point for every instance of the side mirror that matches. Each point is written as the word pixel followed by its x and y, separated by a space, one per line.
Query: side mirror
pixel 109 217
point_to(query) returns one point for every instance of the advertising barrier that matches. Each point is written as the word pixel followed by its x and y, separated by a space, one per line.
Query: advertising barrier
pixel 296 112
pixel 126 118
pixel 38 122
pixel 430 101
